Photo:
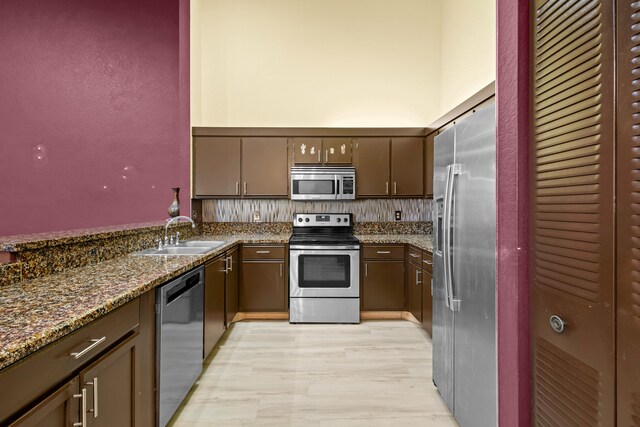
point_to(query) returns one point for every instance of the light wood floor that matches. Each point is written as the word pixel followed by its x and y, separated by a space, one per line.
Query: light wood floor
pixel 271 373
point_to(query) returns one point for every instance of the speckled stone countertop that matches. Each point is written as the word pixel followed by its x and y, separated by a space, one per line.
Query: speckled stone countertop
pixel 422 241
pixel 42 310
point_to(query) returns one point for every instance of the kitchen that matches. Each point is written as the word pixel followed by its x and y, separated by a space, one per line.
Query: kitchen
pixel 112 111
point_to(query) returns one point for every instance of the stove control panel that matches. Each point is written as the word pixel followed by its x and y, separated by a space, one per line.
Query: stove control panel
pixel 322 220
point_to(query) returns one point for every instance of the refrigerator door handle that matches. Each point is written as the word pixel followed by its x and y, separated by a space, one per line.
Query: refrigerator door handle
pixel 453 170
pixel 445 232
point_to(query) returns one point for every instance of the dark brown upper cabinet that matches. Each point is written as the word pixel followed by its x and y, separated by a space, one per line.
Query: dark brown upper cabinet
pixel 216 166
pixel 322 151
pixel 372 162
pixel 428 164
pixel 337 151
pixel 235 167
pixel 407 167
pixel 264 167
pixel 307 151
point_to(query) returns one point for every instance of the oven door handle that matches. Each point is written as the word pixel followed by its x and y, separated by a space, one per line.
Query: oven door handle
pixel 325 249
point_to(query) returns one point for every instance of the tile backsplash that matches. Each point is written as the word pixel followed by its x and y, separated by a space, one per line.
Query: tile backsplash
pixel 278 210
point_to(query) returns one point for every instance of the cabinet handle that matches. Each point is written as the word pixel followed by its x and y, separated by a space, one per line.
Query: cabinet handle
pixel 229 267
pixel 366 269
pixel 428 262
pixel 319 159
pixel 83 417
pixel 94 383
pixel 226 265
pixel 245 187
pixel 263 252
pixel 418 282
pixel 237 187
pixel 384 252
pixel 326 156
pixel 386 187
pixel 395 188
pixel 280 270
pixel 95 342
pixel 414 255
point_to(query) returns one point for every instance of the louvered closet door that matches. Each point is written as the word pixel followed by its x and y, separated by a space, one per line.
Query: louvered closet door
pixel 572 213
pixel 628 189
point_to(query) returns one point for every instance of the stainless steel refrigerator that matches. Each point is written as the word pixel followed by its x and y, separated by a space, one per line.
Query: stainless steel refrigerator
pixel 464 264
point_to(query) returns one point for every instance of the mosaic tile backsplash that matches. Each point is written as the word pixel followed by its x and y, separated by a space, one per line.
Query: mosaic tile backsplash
pixel 278 210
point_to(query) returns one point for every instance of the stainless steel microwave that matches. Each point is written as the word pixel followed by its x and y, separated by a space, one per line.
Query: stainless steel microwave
pixel 323 183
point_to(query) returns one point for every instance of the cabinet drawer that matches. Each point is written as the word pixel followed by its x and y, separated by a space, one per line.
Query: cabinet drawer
pixel 33 376
pixel 263 252
pixel 383 252
pixel 427 261
pixel 415 256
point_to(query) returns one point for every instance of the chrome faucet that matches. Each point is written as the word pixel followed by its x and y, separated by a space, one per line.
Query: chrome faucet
pixel 171 221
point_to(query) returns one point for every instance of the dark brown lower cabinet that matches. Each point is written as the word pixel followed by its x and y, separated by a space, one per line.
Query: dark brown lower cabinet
pixel 214 302
pixel 112 386
pixel 382 285
pixel 263 285
pixel 111 361
pixel 60 409
pixel 231 286
pixel 415 290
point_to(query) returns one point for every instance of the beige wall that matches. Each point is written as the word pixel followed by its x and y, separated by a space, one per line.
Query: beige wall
pixel 315 62
pixel 337 62
pixel 468 40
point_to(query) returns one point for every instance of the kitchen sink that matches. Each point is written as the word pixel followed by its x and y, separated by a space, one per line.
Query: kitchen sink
pixel 175 250
pixel 201 243
pixel 193 247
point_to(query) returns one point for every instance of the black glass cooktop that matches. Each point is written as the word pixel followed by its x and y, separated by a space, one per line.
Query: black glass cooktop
pixel 324 239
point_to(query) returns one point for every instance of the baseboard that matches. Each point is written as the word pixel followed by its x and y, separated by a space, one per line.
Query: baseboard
pixel 364 315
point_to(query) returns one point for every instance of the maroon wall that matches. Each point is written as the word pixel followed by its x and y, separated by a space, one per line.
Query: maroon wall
pixel 94 112
pixel 512 98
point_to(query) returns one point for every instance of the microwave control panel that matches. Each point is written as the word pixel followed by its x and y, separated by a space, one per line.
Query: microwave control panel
pixel 347 185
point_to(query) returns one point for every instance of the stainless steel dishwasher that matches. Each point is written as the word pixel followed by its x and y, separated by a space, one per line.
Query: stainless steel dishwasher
pixel 179 340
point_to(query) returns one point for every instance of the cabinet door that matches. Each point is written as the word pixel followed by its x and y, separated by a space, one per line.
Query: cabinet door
pixel 371 160
pixel 264 167
pixel 262 286
pixel 415 291
pixel 407 166
pixel 573 199
pixel 427 300
pixel 627 285
pixel 383 285
pixel 112 386
pixel 60 409
pixel 214 299
pixel 428 164
pixel 231 286
pixel 337 151
pixel 307 150
pixel 216 166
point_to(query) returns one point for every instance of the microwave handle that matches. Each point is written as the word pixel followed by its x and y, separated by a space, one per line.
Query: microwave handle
pixel 337 178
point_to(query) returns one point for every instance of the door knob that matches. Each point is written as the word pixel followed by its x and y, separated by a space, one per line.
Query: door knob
pixel 557 324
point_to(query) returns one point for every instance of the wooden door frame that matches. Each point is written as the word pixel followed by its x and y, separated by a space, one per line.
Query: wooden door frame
pixel 512 194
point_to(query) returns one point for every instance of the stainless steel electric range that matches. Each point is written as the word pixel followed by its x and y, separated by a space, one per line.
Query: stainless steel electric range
pixel 324 259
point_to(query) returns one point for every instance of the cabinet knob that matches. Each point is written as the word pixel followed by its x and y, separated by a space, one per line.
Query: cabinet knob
pixel 557 324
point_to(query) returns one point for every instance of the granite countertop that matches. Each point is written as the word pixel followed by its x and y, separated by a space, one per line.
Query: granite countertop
pixel 422 241
pixel 42 310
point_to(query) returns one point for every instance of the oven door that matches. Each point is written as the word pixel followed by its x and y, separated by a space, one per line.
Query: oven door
pixel 329 273
pixel 314 187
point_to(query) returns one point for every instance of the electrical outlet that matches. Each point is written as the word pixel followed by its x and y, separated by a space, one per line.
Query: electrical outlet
pixel 256 216
pixel 398 215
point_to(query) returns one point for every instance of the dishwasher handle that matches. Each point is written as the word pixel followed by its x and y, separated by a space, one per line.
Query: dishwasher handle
pixel 180 288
